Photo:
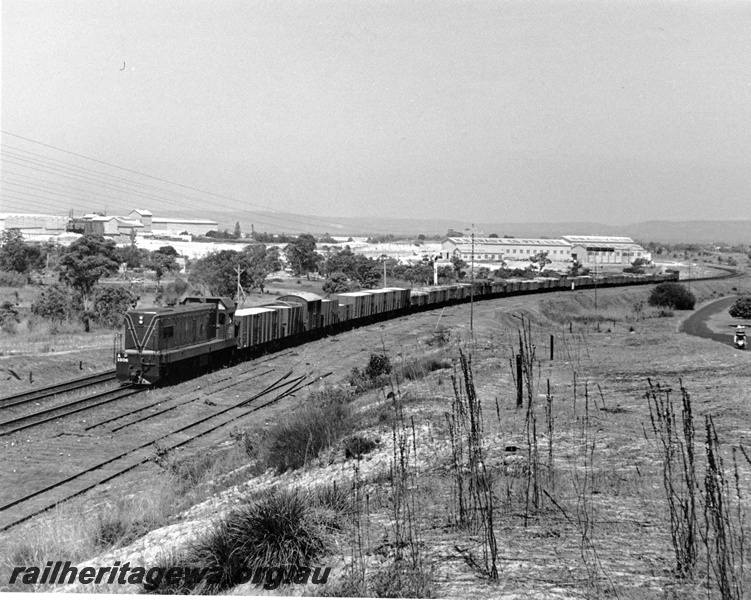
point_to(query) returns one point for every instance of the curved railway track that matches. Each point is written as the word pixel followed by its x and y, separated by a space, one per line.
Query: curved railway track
pixel 58 485
pixel 59 490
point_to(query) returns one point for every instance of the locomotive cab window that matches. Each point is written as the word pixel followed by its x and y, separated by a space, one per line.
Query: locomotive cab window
pixel 222 318
pixel 168 332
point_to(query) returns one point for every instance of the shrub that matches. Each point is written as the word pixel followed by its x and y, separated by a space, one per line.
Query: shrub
pixel 320 424
pixel 111 304
pixel 54 303
pixel 337 283
pixel 672 295
pixel 356 446
pixel 742 308
pixel 175 290
pixel 12 279
pixel 440 336
pixel 8 314
pixel 379 364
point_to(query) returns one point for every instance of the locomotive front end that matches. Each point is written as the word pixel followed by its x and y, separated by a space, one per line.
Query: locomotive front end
pixel 137 360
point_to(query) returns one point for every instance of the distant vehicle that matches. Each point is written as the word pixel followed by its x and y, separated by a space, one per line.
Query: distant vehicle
pixel 739 337
pixel 137 280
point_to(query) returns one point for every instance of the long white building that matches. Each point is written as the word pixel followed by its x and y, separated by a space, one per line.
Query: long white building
pixel 585 249
pixel 498 249
pixel 595 249
pixel 30 224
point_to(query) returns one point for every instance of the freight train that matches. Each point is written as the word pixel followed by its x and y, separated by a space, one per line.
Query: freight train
pixel 177 341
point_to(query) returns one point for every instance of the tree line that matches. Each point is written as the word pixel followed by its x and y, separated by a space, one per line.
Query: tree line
pixel 80 267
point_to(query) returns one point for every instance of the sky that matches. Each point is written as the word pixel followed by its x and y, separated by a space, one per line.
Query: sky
pixel 506 111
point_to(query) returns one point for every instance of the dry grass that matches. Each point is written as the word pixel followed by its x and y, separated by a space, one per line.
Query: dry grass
pixel 578 501
pixel 75 531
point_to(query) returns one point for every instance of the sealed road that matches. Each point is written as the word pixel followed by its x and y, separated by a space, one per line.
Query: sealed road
pixel 696 324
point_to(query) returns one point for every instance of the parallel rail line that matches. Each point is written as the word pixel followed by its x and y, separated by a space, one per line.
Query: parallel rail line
pixel 58 388
pixel 60 491
pixel 63 410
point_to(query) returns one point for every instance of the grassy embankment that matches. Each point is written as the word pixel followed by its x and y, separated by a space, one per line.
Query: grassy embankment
pixel 445 487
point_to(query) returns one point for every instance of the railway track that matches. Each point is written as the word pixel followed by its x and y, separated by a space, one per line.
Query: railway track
pixel 59 485
pixel 61 489
pixel 46 415
pixel 59 411
pixel 58 388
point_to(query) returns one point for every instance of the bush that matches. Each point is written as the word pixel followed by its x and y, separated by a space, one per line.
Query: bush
pixel 54 303
pixel 742 308
pixel 8 318
pixel 672 295
pixel 12 279
pixel 320 424
pixel 111 304
pixel 175 290
pixel 337 283
pixel 379 364
pixel 356 446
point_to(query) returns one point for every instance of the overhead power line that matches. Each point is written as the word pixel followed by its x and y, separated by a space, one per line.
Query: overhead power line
pixel 59 168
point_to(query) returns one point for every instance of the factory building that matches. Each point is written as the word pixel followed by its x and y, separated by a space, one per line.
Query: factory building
pixel 32 226
pixel 139 222
pixel 144 216
pixel 594 249
pixel 587 249
pixel 176 226
pixel 506 249
pixel 112 226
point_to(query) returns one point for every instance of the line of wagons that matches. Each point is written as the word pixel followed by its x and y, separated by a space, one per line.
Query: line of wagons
pixel 178 341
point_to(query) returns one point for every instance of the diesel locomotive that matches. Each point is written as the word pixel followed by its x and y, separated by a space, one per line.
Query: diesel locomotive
pixel 177 341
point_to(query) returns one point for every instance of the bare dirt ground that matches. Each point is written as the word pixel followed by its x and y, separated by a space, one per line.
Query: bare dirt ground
pixel 600 530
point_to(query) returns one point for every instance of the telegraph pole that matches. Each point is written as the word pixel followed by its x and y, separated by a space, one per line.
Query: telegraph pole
pixel 595 277
pixel 240 290
pixel 472 281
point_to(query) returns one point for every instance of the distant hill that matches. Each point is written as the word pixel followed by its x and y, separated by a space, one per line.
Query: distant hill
pixel 670 232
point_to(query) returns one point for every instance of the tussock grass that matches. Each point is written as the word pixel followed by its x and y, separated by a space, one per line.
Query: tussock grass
pixel 356 446
pixel 421 367
pixel 280 529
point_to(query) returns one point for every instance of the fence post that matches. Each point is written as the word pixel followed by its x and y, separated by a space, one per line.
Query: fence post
pixel 552 346
pixel 519 398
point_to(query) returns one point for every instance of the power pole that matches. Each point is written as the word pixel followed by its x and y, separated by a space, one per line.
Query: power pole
pixel 472 280
pixel 240 290
pixel 595 278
